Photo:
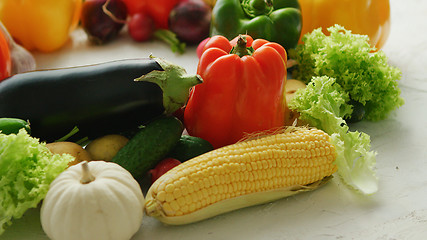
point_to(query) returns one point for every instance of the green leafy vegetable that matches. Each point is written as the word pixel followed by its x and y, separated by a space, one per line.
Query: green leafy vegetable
pixel 322 104
pixel 27 167
pixel 364 74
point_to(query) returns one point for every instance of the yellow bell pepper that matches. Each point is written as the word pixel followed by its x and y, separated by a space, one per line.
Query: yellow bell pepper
pixel 43 25
pixel 365 17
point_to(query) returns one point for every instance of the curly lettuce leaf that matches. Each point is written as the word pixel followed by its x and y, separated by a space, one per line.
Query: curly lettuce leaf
pixel 363 73
pixel 27 168
pixel 355 161
pixel 321 99
pixel 322 104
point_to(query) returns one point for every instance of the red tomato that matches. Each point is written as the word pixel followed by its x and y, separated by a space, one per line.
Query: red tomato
pixel 158 11
pixel 134 6
pixel 162 167
pixel 5 58
pixel 141 27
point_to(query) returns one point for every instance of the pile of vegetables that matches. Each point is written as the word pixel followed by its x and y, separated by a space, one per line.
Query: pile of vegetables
pixel 365 75
pixel 245 120
pixel 177 23
pixel 347 81
pixel 151 90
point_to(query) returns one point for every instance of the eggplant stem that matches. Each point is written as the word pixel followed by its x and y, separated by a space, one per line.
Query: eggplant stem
pixel 174 82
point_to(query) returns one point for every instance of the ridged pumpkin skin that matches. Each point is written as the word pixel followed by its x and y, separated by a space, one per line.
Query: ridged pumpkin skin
pixel 109 207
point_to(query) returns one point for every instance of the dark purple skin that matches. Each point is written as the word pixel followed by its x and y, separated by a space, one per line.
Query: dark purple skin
pixel 190 21
pixel 100 27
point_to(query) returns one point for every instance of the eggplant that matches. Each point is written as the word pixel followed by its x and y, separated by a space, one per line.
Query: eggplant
pixel 98 99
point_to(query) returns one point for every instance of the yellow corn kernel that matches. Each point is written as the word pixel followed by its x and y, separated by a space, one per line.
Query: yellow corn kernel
pixel 247 173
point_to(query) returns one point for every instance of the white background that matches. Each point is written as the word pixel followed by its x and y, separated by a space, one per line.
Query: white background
pixel 397 211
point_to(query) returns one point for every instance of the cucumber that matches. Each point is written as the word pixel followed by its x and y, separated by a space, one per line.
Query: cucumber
pixel 13 125
pixel 149 146
pixel 189 147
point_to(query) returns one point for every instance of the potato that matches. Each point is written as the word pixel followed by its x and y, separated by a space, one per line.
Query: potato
pixel 106 147
pixel 292 85
pixel 75 150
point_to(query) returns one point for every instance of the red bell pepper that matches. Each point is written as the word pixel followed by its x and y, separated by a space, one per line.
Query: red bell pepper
pixel 158 10
pixel 5 57
pixel 242 90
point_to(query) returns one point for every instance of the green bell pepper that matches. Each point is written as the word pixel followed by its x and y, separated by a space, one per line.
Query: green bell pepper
pixel 277 21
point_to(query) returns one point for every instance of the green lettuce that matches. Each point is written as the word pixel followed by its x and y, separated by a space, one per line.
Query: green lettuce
pixel 363 73
pixel 322 104
pixel 27 168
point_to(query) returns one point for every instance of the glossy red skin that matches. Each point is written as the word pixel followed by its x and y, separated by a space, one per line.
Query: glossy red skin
pixel 141 27
pixel 158 10
pixel 201 46
pixel 239 95
pixel 162 167
pixel 5 58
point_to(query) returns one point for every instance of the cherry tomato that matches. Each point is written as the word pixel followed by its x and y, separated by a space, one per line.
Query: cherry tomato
pixel 162 167
pixel 159 10
pixel 134 6
pixel 141 27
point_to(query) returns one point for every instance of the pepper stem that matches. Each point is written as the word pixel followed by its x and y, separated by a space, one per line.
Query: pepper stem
pixel 240 49
pixel 87 176
pixel 269 2
pixel 254 8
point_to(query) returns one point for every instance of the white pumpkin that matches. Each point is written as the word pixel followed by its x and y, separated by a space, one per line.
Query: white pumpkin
pixel 93 200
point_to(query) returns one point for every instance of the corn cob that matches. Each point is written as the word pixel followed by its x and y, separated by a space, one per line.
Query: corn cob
pixel 247 173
